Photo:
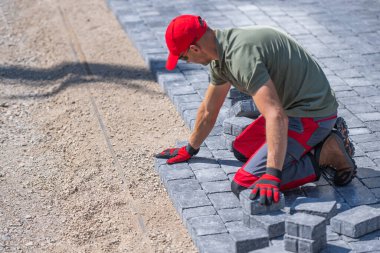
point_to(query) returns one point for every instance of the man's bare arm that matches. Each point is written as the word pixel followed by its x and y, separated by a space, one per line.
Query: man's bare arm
pixel 208 112
pixel 268 103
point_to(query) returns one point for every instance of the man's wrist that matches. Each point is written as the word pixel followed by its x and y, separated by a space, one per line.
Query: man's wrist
pixel 274 172
pixel 192 151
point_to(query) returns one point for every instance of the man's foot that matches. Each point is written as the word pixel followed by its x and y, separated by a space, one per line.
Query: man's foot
pixel 334 160
pixel 342 128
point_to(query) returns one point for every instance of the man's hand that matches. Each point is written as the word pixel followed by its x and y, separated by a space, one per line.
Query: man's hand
pixel 177 155
pixel 268 187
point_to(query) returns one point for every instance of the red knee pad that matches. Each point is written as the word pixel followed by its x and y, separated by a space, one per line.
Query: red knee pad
pixel 244 178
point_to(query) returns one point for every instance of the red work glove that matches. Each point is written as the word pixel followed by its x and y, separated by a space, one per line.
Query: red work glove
pixel 177 155
pixel 268 187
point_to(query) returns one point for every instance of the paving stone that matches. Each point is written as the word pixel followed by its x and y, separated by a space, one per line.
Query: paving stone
pixel 325 209
pixel 331 235
pixel 237 124
pixel 356 194
pixel 252 207
pixel 190 199
pixel 210 175
pixel 217 186
pixel 206 225
pixel 273 222
pixel 220 243
pixel 326 192
pixel 228 140
pixel 197 212
pixel 296 244
pixel 305 226
pixel 230 166
pixel 232 214
pixel 373 155
pixel 244 108
pixel 356 222
pixel 370 146
pixel 170 172
pixel 175 186
pixel 370 116
pixel 373 182
pixel 366 246
pixel 201 163
pixel 224 200
pixel 338 246
pixel 246 239
pixel 214 143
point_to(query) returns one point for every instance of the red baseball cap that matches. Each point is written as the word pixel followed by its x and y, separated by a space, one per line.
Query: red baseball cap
pixel 182 31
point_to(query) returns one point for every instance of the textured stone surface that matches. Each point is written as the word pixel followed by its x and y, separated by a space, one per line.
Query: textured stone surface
pixel 224 200
pixel 273 222
pixel 356 222
pixel 305 226
pixel 326 209
pixel 252 207
pixel 220 243
pixel 244 108
pixel 296 244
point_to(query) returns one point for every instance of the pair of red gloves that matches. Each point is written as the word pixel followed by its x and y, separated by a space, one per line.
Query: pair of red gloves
pixel 266 187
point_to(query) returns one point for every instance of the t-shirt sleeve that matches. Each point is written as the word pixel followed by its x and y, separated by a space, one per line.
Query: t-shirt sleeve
pixel 249 70
pixel 216 77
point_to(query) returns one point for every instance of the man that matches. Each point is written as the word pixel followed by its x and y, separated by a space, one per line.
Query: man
pixel 293 140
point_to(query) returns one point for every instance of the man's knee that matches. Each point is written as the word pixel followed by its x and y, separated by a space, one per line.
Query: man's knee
pixel 238 155
pixel 236 188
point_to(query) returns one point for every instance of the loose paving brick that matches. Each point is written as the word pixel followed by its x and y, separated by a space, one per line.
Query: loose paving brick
pixel 305 226
pixel 356 222
pixel 210 175
pixel 247 239
pixel 273 222
pixel 325 209
pixel 244 108
pixel 296 244
pixel 252 207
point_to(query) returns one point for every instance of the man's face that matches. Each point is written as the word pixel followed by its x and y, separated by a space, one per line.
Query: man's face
pixel 194 54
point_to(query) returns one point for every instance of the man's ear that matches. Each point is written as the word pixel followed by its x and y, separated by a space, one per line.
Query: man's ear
pixel 195 48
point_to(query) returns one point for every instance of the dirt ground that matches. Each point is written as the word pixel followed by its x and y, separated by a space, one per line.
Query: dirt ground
pixel 80 120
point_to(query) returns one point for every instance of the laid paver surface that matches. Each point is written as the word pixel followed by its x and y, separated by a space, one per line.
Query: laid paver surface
pixel 343 36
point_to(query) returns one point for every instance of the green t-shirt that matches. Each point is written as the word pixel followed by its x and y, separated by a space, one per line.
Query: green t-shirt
pixel 250 56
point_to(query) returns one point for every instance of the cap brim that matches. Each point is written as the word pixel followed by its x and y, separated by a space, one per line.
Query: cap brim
pixel 171 63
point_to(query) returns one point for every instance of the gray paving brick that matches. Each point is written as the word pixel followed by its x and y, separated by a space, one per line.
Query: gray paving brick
pixel 170 172
pixel 325 209
pixel 197 212
pixel 370 145
pixel 296 244
pixel 327 193
pixel 374 154
pixel 370 116
pixel 232 214
pixel 361 108
pixel 228 140
pixel 356 222
pixel 220 243
pixel 201 163
pixel 210 175
pixel 224 200
pixel 244 108
pixel 238 124
pixel 373 125
pixel 214 143
pixel 273 222
pixel 331 235
pixel 246 239
pixel 366 246
pixel 373 182
pixel 364 162
pixel 367 173
pixel 338 246
pixel 190 199
pixel 356 194
pixel 230 166
pixel 217 186
pixel 305 226
pixel 252 207
pixel 206 225
pixel 359 131
pixel 175 186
